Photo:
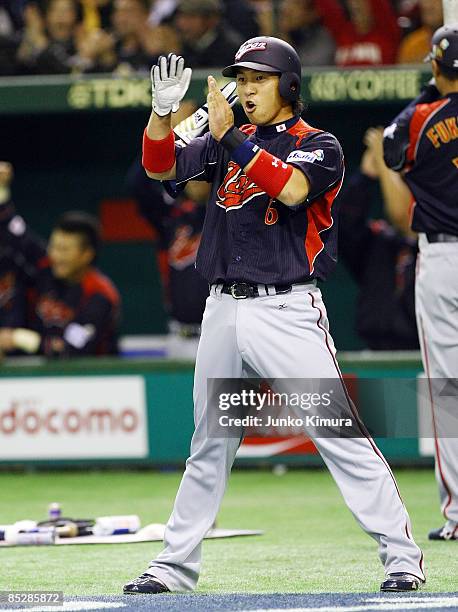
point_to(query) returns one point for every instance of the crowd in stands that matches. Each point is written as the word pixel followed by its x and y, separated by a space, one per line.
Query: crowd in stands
pixel 125 36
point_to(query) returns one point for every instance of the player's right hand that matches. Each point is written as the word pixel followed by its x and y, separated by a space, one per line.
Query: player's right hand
pixel 220 115
pixel 170 81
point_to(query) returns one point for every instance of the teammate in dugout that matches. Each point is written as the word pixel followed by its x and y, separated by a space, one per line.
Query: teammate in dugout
pixel 73 308
pixel 269 234
pixel 422 143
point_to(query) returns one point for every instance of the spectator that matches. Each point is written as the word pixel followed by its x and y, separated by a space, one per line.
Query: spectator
pixel 133 44
pixel 380 255
pixel 49 44
pixel 96 14
pixel 132 34
pixel 75 309
pixel 207 41
pixel 162 11
pixel 163 37
pixel 96 52
pixel 238 14
pixel 264 16
pixel 11 23
pixel 300 25
pixel 241 17
pixel 179 226
pixel 416 45
pixel 20 253
pixel 369 37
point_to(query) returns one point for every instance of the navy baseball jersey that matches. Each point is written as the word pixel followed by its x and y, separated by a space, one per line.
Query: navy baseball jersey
pixel 423 141
pixel 84 315
pixel 249 236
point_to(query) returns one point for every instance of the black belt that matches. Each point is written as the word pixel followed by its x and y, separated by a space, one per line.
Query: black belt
pixel 441 238
pixel 241 291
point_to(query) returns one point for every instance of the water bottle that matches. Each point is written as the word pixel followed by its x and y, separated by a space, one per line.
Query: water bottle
pixel 38 537
pixel 2 531
pixel 116 525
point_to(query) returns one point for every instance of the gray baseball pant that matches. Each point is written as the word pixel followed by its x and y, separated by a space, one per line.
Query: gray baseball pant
pixel 436 297
pixel 277 336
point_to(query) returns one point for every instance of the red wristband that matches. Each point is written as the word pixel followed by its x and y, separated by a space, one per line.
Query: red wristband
pixel 270 173
pixel 158 155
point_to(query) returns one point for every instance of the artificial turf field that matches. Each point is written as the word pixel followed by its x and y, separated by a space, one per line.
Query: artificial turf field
pixel 311 543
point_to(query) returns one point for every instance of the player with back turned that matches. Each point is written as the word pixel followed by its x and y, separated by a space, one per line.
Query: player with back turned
pixel 422 142
pixel 269 234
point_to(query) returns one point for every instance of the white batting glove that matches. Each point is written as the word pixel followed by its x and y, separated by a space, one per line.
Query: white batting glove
pixel 196 124
pixel 170 81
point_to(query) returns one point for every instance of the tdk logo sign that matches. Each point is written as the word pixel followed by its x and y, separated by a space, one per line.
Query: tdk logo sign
pixel 250 46
pixel 306 156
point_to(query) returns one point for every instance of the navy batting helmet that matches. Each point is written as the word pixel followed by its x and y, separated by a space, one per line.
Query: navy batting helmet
pixel 444 46
pixel 270 54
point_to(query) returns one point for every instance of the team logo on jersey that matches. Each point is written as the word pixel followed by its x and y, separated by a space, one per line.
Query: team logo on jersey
pixel 54 313
pixel 306 156
pixel 389 131
pixel 250 46
pixel 236 189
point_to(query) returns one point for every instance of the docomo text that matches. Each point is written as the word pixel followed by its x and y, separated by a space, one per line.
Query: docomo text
pixel 25 418
pixel 268 399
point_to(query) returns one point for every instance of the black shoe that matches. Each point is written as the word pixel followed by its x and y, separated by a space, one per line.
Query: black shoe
pixel 444 533
pixel 146 584
pixel 400 582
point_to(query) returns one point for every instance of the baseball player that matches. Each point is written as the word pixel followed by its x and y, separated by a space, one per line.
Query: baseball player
pixel 422 142
pixel 269 234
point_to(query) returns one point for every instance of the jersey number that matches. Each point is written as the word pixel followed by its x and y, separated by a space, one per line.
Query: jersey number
pixel 271 215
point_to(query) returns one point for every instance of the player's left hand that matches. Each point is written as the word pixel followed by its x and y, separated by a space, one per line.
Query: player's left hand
pixel 170 81
pixel 220 115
